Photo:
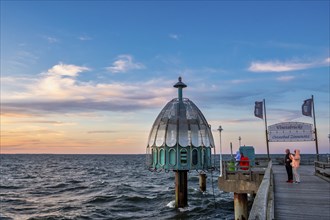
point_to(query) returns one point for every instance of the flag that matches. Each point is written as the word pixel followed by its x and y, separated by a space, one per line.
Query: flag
pixel 258 110
pixel 306 108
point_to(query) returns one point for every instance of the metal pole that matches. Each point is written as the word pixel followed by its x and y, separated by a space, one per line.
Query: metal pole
pixel 220 171
pixel 214 153
pixel 239 141
pixel 267 142
pixel 180 85
pixel 316 141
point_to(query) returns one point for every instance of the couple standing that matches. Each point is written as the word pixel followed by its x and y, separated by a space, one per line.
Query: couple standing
pixel 292 162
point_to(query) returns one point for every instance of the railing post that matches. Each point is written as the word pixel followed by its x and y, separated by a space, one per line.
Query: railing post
pixel 224 169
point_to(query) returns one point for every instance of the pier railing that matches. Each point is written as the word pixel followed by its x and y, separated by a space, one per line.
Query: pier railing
pixel 234 167
pixel 322 169
pixel 305 159
pixel 242 179
pixel 263 205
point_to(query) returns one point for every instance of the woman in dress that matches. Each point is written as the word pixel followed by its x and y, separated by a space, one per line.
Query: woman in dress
pixel 295 165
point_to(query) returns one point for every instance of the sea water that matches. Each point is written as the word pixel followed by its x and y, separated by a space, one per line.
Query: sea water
pixel 101 187
pixel 106 187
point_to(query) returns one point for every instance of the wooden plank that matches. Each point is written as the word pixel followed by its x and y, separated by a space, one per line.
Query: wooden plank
pixel 308 200
pixel 323 171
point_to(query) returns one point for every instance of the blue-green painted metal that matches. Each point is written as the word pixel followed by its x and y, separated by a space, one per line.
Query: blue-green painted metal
pixel 248 151
pixel 181 138
pixel 180 85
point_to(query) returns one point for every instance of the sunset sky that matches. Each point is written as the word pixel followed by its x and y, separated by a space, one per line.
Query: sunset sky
pixel 92 76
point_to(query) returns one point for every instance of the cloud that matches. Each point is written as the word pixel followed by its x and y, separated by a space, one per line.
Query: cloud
pixel 84 38
pixel 278 66
pixel 52 40
pixel 174 36
pixel 124 63
pixel 41 122
pixel 285 78
pixel 26 55
pixel 327 60
pixel 66 70
pixel 59 90
pixel 19 62
pixel 101 132
pixel 284 115
pixel 241 81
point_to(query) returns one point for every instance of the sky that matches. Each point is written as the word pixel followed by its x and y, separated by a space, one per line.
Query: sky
pixel 90 77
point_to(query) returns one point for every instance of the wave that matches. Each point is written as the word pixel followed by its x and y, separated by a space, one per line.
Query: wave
pixel 69 187
pixel 13 201
pixel 136 198
pixel 5 218
pixel 10 187
pixel 171 204
pixel 59 185
pixel 101 199
pixel 48 217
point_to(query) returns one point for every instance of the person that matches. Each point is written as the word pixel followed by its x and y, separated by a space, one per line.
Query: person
pixel 288 166
pixel 295 165
pixel 244 164
pixel 237 159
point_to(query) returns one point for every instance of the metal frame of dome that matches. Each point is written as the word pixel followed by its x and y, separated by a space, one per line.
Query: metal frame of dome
pixel 180 138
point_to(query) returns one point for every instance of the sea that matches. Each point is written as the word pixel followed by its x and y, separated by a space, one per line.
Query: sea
pixel 52 186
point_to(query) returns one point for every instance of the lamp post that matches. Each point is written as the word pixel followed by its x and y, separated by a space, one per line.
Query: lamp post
pixel 220 171
pixel 239 141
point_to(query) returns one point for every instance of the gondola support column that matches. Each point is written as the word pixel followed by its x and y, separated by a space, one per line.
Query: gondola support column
pixel 181 189
pixel 240 206
pixel 202 182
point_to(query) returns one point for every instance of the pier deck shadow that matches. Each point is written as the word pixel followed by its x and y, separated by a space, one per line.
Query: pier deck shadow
pixel 308 200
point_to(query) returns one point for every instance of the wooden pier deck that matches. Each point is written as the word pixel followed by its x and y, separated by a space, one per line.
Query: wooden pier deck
pixel 308 200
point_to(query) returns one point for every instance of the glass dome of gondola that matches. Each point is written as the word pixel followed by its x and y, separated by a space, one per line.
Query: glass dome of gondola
pixel 180 138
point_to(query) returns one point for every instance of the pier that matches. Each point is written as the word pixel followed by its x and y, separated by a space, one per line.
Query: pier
pixel 277 199
pixel 308 200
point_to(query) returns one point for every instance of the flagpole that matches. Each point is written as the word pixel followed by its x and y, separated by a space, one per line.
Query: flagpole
pixel 316 142
pixel 264 101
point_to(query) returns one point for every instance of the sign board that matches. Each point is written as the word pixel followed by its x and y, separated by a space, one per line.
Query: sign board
pixel 290 132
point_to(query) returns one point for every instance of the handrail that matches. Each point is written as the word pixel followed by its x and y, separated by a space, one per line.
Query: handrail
pixel 322 169
pixel 261 202
pixel 238 167
pixel 323 165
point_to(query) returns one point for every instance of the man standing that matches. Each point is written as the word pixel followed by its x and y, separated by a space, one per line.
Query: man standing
pixel 288 166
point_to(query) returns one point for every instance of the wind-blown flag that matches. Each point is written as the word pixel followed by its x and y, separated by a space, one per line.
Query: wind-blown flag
pixel 306 108
pixel 258 110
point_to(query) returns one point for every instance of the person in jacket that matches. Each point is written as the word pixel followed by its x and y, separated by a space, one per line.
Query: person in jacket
pixel 237 159
pixel 244 164
pixel 295 165
pixel 288 167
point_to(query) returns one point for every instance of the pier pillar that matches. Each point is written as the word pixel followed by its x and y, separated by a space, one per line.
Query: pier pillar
pixel 181 189
pixel 202 182
pixel 240 206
